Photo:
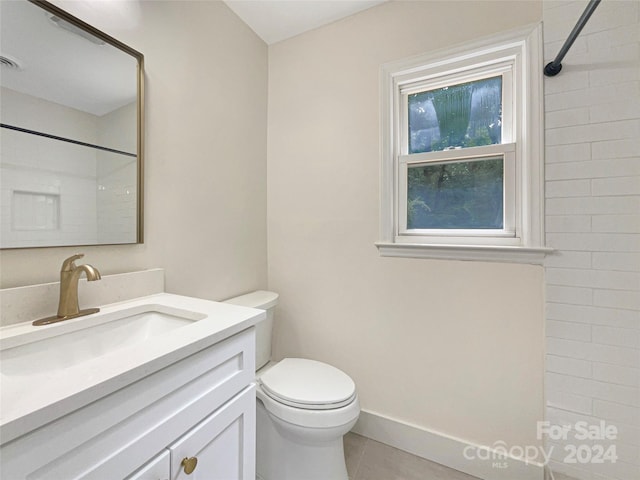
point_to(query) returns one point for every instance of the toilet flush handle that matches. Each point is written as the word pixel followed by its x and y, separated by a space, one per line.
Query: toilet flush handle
pixel 189 464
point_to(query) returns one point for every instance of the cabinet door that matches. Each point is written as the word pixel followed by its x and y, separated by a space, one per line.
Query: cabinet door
pixel 156 469
pixel 223 443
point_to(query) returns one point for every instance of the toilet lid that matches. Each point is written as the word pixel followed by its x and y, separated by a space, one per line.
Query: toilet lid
pixel 308 384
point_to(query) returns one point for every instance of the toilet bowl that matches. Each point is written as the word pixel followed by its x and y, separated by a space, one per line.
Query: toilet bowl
pixel 304 408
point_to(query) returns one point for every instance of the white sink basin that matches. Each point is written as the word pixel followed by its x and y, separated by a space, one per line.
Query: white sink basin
pixel 114 332
pixel 49 371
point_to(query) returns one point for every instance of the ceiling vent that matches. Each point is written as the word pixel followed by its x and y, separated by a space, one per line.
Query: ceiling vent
pixel 9 62
pixel 70 27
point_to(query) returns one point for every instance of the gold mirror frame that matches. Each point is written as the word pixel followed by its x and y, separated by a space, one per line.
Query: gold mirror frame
pixel 62 14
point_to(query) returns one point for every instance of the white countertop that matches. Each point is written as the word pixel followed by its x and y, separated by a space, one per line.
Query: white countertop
pixel 31 400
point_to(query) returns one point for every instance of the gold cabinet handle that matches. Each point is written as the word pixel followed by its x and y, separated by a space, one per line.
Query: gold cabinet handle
pixel 189 464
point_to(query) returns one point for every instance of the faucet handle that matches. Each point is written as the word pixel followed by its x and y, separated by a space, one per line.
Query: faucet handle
pixel 68 265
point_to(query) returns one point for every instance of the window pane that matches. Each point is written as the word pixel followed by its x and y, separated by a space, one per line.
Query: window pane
pixel 460 195
pixel 464 115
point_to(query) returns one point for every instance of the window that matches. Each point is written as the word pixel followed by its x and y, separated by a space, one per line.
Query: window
pixel 461 153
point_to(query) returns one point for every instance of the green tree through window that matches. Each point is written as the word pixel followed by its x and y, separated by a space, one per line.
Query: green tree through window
pixel 463 115
pixel 456 195
pixel 462 195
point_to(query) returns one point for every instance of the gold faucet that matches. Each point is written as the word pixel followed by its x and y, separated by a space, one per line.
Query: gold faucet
pixel 68 306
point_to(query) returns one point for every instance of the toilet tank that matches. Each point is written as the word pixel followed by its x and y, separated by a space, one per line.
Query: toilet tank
pixel 264 301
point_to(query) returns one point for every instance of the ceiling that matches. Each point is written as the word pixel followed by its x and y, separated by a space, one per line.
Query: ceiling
pixel 62 66
pixel 73 81
pixel 277 20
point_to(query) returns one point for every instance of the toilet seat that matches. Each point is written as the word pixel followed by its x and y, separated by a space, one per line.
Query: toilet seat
pixel 307 418
pixel 308 384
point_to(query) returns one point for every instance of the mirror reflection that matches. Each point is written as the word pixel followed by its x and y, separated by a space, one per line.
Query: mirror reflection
pixel 69 139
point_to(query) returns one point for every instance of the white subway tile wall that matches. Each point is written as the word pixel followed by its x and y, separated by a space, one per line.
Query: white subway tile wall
pixel 117 198
pixel 593 221
pixel 95 190
pixel 38 165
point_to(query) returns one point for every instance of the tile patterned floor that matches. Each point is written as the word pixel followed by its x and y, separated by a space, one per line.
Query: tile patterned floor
pixel 562 476
pixel 371 460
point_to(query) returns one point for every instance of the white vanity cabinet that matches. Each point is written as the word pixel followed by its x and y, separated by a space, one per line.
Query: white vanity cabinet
pixel 202 406
pixel 223 443
pixel 221 446
pixel 156 469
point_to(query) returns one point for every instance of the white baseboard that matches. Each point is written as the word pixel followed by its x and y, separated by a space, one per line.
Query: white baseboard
pixel 445 450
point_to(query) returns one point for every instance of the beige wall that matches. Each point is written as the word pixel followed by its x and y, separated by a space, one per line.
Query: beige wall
pixel 456 347
pixel 452 346
pixel 206 100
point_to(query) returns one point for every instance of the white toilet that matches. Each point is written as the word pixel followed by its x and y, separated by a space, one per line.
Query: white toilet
pixel 304 408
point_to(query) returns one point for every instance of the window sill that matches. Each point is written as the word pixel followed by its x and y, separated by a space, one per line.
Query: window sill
pixel 483 253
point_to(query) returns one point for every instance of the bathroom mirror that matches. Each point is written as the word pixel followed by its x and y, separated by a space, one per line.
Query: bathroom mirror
pixel 71 131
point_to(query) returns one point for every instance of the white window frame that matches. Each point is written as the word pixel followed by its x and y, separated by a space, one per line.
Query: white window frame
pixel 517 57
